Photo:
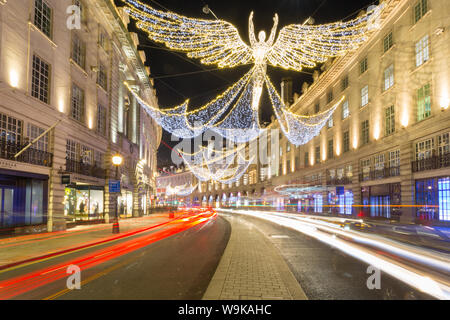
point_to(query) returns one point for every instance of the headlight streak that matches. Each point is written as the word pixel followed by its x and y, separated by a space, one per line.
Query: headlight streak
pixel 321 232
pixel 14 287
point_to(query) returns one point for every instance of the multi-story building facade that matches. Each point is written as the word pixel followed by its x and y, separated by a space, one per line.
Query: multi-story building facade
pixel 58 74
pixel 386 151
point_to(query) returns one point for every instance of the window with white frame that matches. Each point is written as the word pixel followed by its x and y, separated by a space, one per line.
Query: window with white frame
pixel 346 141
pixel 78 51
pixel 379 162
pixel 33 132
pixel 99 159
pixel 389 120
pixel 388 42
pixel 363 65
pixel 365 167
pixel 102 77
pixel 420 9
pixel 71 150
pixel 424 102
pixel 344 83
pixel 422 51
pixel 11 129
pixel 101 120
pixel 40 80
pixel 443 144
pixel 345 110
pixel 388 77
pixel 365 132
pixel 77 103
pixel 365 96
pixel 330 123
pixel 424 149
pixel 394 159
pixel 43 17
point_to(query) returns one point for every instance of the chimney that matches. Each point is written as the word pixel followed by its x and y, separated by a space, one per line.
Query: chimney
pixel 286 91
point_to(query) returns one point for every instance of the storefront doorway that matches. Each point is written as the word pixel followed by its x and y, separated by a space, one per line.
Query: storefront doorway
pixel 6 209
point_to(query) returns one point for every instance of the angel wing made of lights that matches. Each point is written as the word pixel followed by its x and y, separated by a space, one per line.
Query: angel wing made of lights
pixel 218 42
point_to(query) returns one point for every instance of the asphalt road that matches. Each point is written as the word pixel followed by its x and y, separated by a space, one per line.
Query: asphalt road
pixel 325 273
pixel 176 267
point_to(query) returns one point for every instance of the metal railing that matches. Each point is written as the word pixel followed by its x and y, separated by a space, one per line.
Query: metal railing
pixel 339 181
pixel 432 163
pixel 33 156
pixel 85 169
pixel 379 174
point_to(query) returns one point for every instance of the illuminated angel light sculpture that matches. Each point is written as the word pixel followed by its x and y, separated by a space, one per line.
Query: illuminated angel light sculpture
pixel 217 42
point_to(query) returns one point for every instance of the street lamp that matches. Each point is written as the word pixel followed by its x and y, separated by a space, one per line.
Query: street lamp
pixel 117 162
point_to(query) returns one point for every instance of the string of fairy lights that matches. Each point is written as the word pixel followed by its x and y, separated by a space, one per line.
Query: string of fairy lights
pixel 234 114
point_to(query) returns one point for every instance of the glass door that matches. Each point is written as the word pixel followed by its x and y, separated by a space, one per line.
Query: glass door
pixel 6 207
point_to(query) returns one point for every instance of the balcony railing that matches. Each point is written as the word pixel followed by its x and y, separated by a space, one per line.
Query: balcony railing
pixel 432 163
pixel 379 174
pixel 338 181
pixel 85 169
pixel 33 156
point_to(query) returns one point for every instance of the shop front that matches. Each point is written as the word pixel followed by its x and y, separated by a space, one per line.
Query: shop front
pixel 23 199
pixel 125 204
pixel 84 202
pixel 433 199
pixel 382 201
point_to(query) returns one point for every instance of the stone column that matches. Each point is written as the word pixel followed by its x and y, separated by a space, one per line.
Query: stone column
pixel 56 220
pixel 407 183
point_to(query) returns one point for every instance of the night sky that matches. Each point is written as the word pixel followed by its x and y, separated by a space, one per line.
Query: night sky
pixel 202 86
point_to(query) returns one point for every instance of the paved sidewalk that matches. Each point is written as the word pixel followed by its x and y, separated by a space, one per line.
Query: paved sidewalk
pixel 252 269
pixel 30 246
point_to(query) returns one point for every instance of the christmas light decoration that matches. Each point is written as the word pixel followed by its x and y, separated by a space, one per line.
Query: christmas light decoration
pixel 298 129
pixel 298 190
pixel 217 42
pixel 180 191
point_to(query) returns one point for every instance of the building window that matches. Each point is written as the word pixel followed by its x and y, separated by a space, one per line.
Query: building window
pixel 424 149
pixel 317 108
pixel 281 151
pixel 71 150
pixel 388 42
pixel 330 122
pixel 394 159
pixel 389 77
pixel 330 96
pixel 379 162
pixel 364 96
pixel 101 120
pixel 40 80
pixel 32 133
pixel 344 84
pixel 365 132
pixel 363 65
pixel 422 51
pixel 443 144
pixel 346 141
pixel 288 147
pixel 87 155
pixel 11 129
pixel 317 154
pixel 330 149
pixel 365 168
pixel 424 102
pixel 101 77
pixel 389 120
pixel 306 159
pixel 77 103
pixel 345 110
pixel 444 199
pixel 78 51
pixel 420 9
pixel 102 39
pixel 43 17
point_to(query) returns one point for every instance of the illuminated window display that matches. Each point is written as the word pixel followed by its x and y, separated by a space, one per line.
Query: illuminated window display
pixel 125 203
pixel 84 202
